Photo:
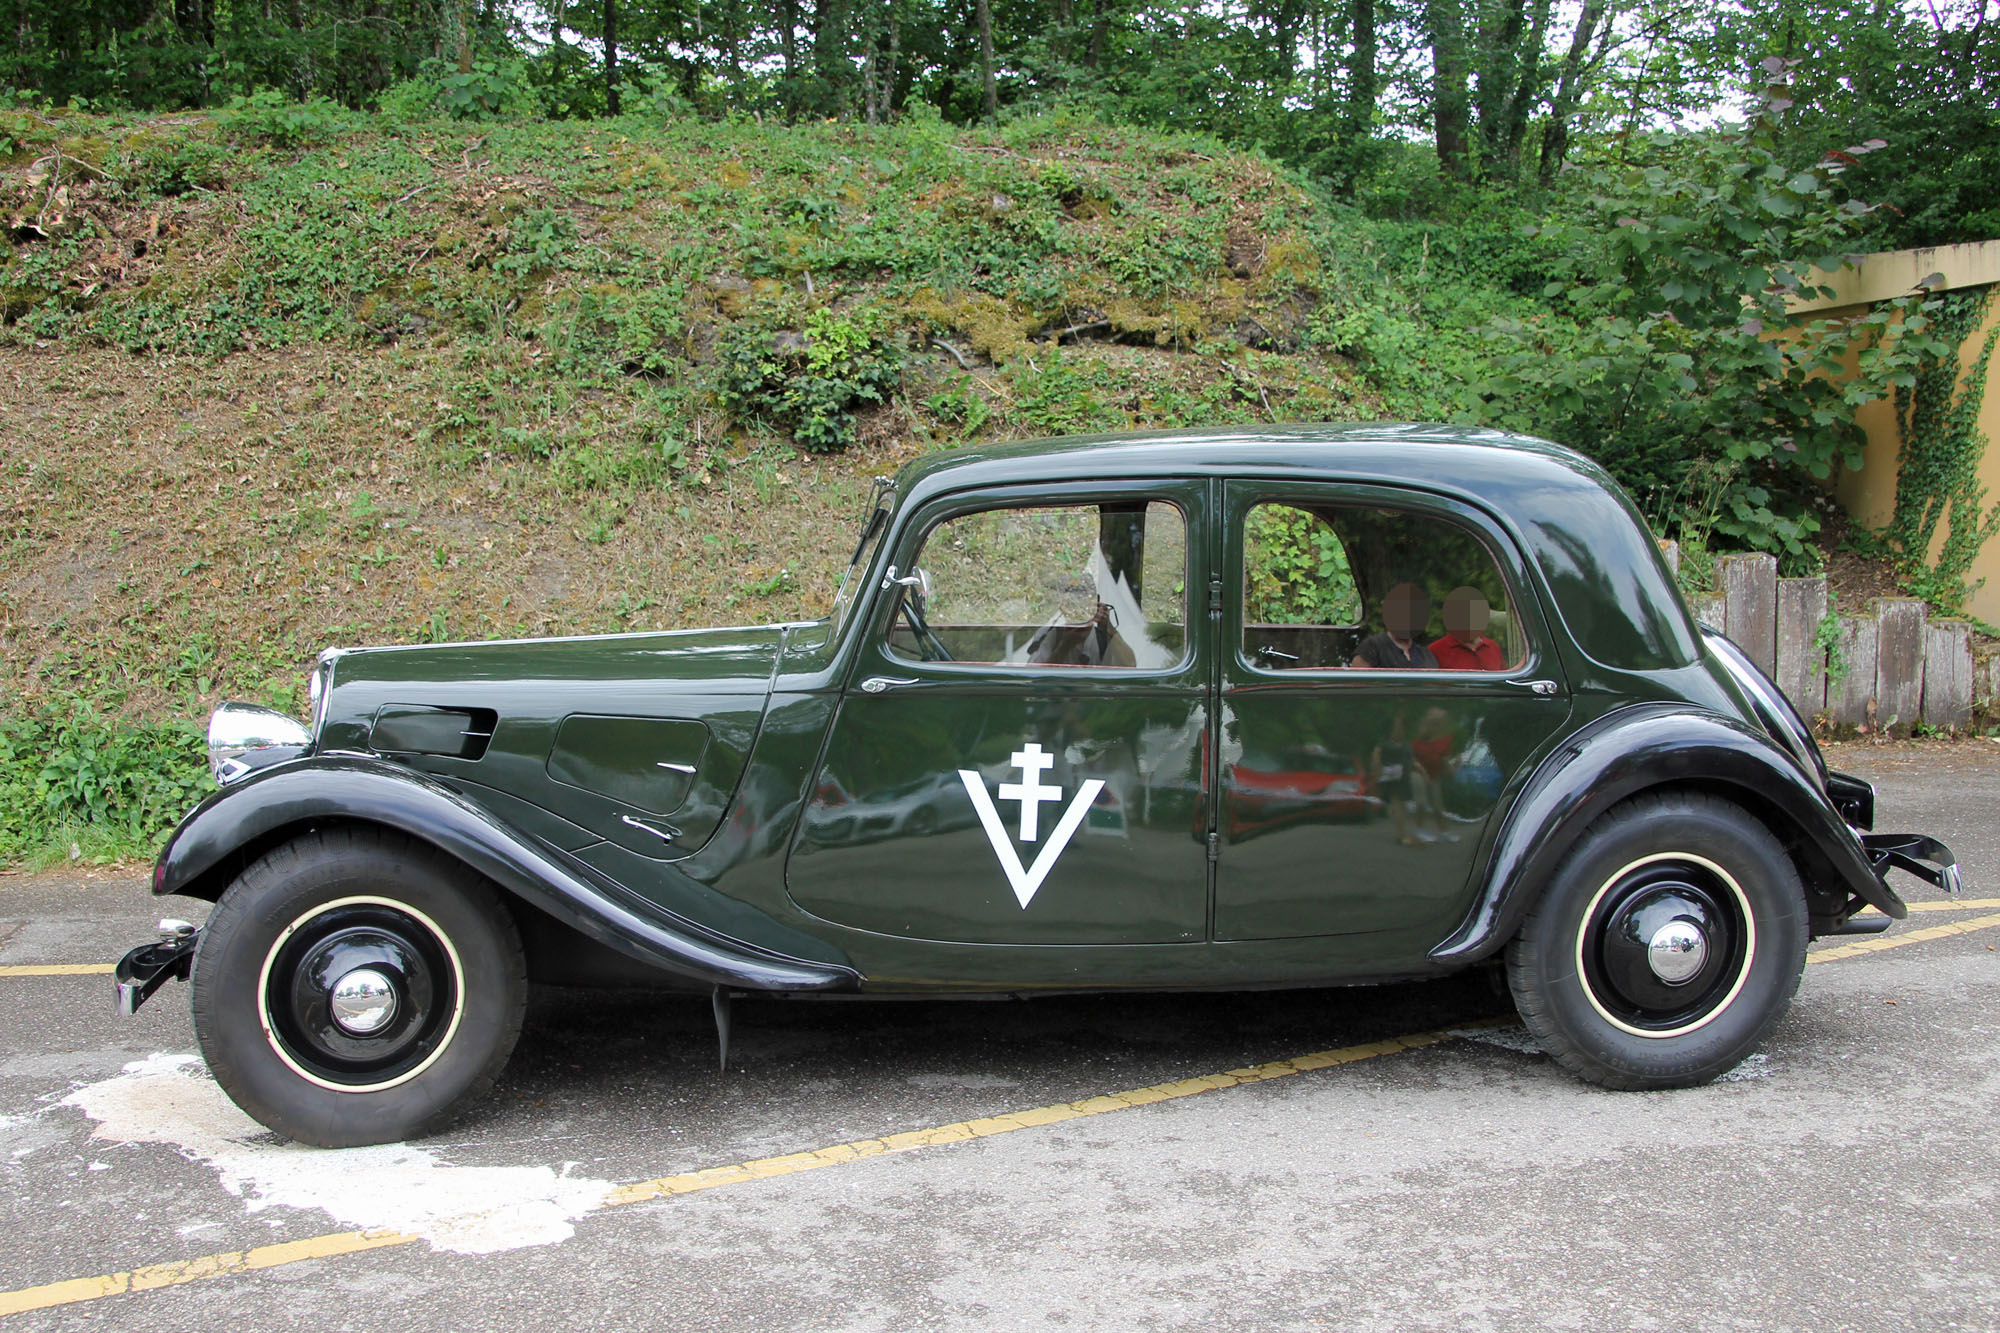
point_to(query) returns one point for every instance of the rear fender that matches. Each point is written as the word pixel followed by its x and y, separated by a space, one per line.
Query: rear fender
pixel 1634 750
pixel 212 843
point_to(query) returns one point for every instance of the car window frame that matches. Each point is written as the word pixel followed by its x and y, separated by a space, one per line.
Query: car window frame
pixel 1193 497
pixel 1240 495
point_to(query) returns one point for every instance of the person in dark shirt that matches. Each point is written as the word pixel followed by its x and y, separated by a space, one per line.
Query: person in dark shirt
pixel 1465 646
pixel 1406 613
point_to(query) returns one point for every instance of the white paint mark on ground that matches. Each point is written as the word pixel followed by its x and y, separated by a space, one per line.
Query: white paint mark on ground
pixel 1510 1038
pixel 1755 1066
pixel 171 1099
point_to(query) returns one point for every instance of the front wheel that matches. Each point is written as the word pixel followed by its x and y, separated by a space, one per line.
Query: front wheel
pixel 1667 946
pixel 356 986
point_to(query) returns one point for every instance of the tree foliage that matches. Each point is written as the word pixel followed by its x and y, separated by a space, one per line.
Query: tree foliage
pixel 1502 91
pixel 1679 367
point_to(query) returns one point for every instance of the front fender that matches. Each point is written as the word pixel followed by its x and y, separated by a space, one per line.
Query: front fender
pixel 1632 750
pixel 308 792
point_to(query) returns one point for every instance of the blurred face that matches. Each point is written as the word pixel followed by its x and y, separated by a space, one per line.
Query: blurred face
pixel 1466 615
pixel 1406 610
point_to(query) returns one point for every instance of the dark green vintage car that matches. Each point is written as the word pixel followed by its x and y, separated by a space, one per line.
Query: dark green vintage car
pixel 1280 707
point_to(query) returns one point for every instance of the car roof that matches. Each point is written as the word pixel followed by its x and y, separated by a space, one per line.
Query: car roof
pixel 1490 466
pixel 1593 548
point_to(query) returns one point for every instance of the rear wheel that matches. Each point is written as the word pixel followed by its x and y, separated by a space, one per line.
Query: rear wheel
pixel 356 986
pixel 1667 946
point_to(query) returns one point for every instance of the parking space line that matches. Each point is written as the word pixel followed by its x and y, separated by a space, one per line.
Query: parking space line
pixel 1882 942
pixel 665 1187
pixel 57 969
pixel 181 1272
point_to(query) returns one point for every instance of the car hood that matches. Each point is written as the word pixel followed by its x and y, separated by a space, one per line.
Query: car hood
pixel 644 674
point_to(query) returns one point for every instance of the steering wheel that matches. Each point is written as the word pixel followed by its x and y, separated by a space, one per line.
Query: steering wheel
pixel 916 595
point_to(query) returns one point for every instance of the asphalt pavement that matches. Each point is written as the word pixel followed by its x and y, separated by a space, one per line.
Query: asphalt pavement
pixel 1155 1161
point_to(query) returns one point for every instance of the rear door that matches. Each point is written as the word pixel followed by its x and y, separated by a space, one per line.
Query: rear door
pixel 1359 776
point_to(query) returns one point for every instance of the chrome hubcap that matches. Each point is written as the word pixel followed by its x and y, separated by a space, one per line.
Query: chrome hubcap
pixel 1665 945
pixel 363 1001
pixel 1676 952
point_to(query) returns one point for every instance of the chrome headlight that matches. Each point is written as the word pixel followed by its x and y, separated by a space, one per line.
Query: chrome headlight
pixel 243 738
pixel 318 686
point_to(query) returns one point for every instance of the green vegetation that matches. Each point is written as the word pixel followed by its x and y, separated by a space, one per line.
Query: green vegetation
pixel 1937 472
pixel 1656 354
pixel 75 783
pixel 344 322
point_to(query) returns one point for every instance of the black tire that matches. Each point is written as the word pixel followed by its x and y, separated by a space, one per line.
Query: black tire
pixel 391 1061
pixel 1669 870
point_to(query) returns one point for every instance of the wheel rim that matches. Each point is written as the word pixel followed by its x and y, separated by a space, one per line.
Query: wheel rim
pixel 361 994
pixel 1666 945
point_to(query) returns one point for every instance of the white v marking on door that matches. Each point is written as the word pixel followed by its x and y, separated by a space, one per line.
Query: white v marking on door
pixel 1025 882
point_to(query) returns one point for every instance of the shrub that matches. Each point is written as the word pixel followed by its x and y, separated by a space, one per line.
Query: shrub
pixel 72 777
pixel 490 90
pixel 811 381
pixel 1679 351
pixel 268 115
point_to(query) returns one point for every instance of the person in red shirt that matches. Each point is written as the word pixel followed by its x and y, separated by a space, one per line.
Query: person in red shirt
pixel 1465 646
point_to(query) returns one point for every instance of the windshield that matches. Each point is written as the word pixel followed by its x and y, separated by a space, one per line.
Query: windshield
pixel 881 500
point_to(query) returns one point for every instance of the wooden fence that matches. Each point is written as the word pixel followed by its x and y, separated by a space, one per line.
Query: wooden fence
pixel 1887 669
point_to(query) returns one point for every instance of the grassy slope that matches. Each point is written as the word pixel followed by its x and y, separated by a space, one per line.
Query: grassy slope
pixel 441 381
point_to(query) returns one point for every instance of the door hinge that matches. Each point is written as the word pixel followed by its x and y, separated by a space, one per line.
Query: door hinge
pixel 1215 846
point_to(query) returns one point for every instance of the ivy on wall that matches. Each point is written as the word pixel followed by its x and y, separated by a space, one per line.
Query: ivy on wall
pixel 1937 472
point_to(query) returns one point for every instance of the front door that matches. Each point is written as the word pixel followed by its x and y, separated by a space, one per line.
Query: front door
pixel 1017 757
pixel 1383 681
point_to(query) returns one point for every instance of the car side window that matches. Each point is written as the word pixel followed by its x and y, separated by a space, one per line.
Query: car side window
pixel 1340 586
pixel 1093 585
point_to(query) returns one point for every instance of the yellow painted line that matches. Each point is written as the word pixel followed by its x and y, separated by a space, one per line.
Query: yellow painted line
pixel 1953 905
pixel 665 1187
pixel 1876 945
pixel 181 1272
pixel 57 969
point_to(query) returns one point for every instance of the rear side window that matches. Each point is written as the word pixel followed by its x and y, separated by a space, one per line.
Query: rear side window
pixel 1363 588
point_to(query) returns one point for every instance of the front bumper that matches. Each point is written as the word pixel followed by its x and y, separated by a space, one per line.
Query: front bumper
pixel 1917 853
pixel 151 966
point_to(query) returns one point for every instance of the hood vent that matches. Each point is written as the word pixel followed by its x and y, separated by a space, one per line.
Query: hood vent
pixel 454 733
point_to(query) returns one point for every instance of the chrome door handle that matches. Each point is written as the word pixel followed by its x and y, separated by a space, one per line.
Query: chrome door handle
pixel 664 832
pixel 1544 688
pixel 877 684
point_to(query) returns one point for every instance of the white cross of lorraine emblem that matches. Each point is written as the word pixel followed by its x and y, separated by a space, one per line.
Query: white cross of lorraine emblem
pixel 1031 792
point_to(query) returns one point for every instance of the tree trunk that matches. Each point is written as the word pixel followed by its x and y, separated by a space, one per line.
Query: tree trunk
pixel 1569 89
pixel 1361 75
pixel 1100 34
pixel 1527 92
pixel 1498 44
pixel 831 69
pixel 1450 104
pixel 611 96
pixel 984 9
pixel 788 46
pixel 889 100
pixel 870 106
